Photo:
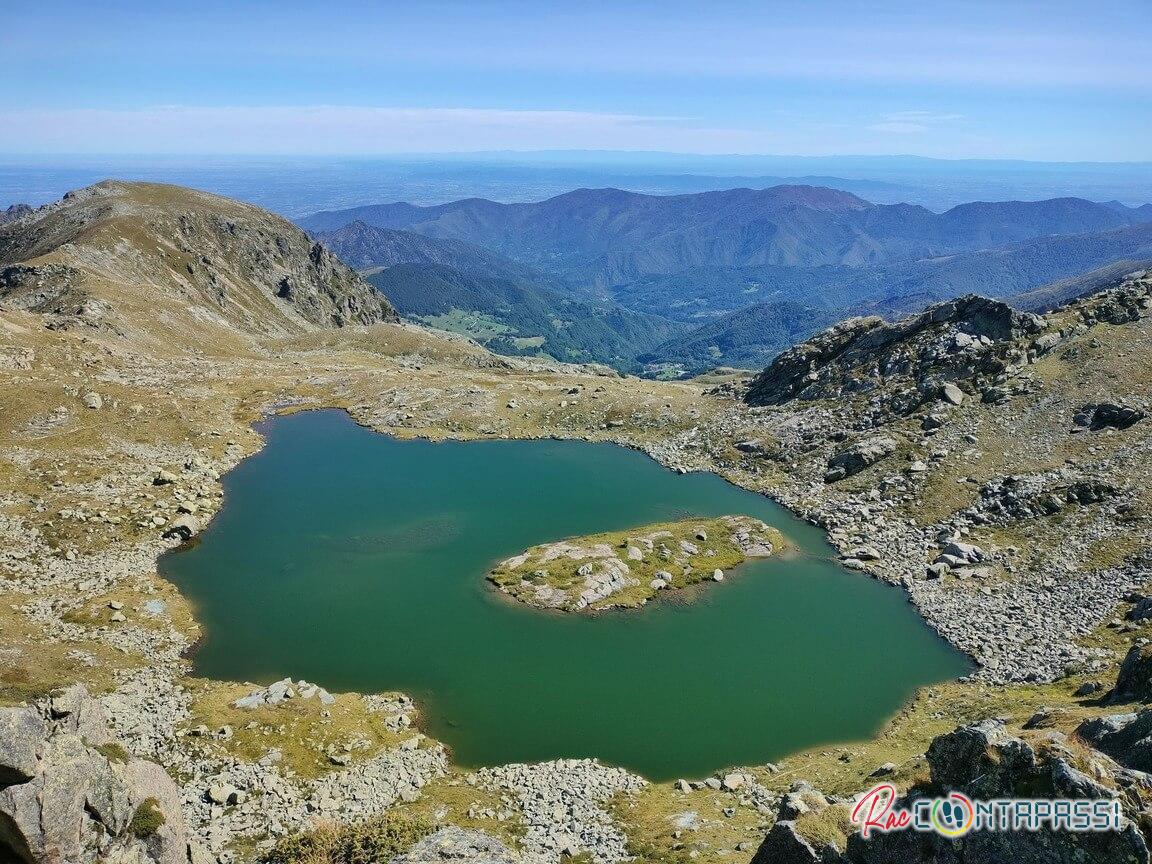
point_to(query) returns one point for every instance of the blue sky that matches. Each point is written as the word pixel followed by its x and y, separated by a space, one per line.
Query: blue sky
pixel 1010 79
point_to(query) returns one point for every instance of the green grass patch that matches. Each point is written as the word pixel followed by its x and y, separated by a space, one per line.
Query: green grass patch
pixel 147 819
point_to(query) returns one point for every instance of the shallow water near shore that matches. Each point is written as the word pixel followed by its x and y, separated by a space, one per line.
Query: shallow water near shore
pixel 358 561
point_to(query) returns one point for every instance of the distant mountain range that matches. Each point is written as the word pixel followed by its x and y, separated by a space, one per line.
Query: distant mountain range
pixel 736 262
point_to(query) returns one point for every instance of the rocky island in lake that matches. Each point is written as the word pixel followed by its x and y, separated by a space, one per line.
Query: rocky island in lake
pixel 600 571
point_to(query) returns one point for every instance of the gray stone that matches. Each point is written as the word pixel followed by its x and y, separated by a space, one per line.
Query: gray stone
pixel 951 393
pixel 22 733
pixel 183 527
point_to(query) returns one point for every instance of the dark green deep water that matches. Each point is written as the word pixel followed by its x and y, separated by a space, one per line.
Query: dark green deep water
pixel 357 561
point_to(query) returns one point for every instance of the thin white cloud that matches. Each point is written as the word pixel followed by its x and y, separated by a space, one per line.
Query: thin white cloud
pixel 898 127
pixel 913 122
pixel 325 129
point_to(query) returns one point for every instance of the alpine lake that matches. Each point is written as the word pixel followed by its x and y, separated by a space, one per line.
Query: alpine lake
pixel 358 561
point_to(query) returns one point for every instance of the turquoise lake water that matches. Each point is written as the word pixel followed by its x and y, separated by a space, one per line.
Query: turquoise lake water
pixel 357 561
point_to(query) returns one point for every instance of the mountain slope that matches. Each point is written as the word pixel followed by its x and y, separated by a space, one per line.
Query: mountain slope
pixel 186 262
pixel 366 247
pixel 517 317
pixel 1063 290
pixel 747 338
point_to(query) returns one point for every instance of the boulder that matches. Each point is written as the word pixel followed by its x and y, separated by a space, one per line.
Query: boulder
pixel 859 456
pixel 1134 681
pixel 183 527
pixel 1127 738
pixel 951 393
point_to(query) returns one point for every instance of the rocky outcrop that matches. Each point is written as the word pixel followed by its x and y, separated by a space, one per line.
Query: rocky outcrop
pixel 1107 415
pixel 14 212
pixel 985 761
pixel 1134 680
pixel 970 339
pixel 786 844
pixel 70 793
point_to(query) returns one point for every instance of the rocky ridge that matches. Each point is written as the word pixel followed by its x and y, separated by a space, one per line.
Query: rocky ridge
pixel 223 262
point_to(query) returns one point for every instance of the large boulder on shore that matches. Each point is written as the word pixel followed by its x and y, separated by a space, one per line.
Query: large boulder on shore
pixel 70 793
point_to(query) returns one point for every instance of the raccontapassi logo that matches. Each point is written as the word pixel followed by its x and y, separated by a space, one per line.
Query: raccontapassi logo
pixel 955 814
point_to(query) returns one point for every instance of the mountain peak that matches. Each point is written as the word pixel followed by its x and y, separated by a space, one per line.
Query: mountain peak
pixel 195 259
pixel 818 198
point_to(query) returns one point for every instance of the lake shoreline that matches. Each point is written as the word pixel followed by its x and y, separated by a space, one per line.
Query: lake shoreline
pixel 355 449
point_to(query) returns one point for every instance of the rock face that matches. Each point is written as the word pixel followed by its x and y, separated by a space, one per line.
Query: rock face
pixel 70 793
pixel 213 259
pixel 964 339
pixel 14 212
pixel 984 761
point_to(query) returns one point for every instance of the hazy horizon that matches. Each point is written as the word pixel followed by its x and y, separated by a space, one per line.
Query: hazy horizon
pixel 296 185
